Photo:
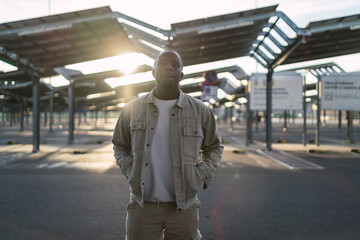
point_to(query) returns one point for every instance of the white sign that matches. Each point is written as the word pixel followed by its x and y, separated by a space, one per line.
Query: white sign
pixel 209 92
pixel 286 91
pixel 340 92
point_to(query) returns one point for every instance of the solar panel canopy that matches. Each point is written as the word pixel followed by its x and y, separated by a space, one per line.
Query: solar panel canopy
pixel 45 43
pixel 58 40
pixel 328 38
pixel 220 37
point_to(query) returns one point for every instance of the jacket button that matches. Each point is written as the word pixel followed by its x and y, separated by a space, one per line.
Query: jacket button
pixel 147 145
pixel 173 115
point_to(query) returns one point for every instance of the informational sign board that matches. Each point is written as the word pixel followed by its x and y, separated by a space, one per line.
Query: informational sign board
pixel 209 92
pixel 286 91
pixel 340 91
pixel 227 86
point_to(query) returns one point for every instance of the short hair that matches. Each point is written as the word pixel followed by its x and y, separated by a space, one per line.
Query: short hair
pixel 168 50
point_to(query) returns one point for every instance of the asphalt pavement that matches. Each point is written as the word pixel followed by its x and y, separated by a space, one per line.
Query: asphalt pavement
pixel 77 192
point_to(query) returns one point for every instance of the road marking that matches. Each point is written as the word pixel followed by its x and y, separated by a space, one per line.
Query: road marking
pixel 229 165
pixel 43 165
pixel 9 157
pixel 290 161
pixel 58 164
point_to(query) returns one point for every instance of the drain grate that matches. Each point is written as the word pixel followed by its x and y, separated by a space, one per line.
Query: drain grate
pixel 290 161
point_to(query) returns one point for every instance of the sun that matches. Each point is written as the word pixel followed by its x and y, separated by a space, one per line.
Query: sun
pixel 125 63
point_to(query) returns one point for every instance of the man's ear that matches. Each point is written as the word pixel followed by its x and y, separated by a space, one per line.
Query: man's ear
pixel 153 72
pixel 182 76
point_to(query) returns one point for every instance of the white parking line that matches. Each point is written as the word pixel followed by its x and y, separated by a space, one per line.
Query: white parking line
pixel 290 161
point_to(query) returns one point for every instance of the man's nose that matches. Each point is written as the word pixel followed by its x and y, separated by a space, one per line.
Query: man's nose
pixel 168 66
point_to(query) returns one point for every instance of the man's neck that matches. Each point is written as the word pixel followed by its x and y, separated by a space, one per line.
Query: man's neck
pixel 167 95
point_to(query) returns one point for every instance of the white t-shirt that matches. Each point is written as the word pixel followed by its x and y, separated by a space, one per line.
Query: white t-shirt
pixel 160 186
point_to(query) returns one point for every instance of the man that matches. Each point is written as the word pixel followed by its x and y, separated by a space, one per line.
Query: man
pixel 157 142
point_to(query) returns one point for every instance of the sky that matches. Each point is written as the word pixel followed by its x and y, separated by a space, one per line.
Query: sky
pixel 162 13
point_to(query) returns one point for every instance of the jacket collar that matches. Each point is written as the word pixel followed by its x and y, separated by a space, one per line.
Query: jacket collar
pixel 180 102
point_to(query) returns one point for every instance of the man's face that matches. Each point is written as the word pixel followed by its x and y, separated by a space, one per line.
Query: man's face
pixel 168 69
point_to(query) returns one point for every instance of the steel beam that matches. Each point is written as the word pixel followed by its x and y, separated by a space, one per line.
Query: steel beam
pixel 71 112
pixel 339 123
pixel 317 132
pixel 22 108
pixel 36 113
pixel 51 111
pixel 227 24
pixel 269 109
pixel 304 135
pixel 249 139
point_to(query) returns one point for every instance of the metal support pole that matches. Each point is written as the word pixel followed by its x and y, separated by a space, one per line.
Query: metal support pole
pixel 22 114
pixel 36 113
pixel 340 117
pixel 79 116
pixel 71 112
pixel 7 114
pixel 257 121
pixel 285 120
pixel 304 111
pixel 248 118
pixel 317 133
pixel 16 114
pixel 231 117
pixel 324 116
pixel 293 116
pixel 3 114
pixel 268 109
pixel 27 115
pixel 51 103
pixel 347 124
pixel 350 126
pixel 45 116
pixel 12 115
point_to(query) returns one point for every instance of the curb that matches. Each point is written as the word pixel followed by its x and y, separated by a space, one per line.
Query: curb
pixel 315 151
pixel 355 150
pixel 79 151
pixel 239 151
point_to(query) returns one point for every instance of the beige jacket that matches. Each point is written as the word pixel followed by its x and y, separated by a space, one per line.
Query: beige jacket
pixel 195 145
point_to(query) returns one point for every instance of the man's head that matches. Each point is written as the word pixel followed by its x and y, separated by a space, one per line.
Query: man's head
pixel 168 69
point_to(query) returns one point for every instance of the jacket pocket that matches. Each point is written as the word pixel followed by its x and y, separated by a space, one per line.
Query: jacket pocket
pixel 137 130
pixel 193 137
pixel 193 180
pixel 134 172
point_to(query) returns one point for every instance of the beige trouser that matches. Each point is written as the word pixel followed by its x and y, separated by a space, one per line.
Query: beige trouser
pixel 148 223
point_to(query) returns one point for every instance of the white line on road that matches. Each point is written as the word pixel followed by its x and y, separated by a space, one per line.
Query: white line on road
pixel 290 161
